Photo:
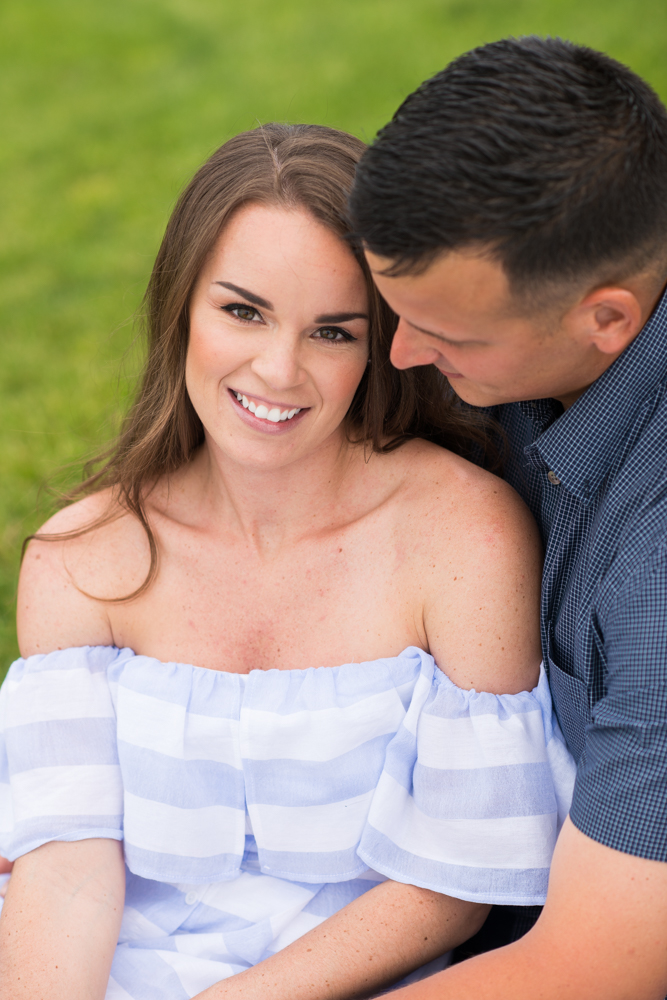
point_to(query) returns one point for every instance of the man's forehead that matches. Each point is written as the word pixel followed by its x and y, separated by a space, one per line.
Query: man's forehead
pixel 459 282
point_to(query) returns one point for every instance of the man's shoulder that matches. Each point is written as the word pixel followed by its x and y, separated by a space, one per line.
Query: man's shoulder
pixel 632 524
pixel 635 495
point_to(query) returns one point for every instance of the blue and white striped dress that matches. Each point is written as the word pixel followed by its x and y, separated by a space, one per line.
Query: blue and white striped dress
pixel 253 806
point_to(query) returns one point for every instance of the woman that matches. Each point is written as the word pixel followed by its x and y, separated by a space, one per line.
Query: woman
pixel 286 826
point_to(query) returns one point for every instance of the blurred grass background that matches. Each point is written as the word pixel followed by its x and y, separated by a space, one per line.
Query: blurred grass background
pixel 107 110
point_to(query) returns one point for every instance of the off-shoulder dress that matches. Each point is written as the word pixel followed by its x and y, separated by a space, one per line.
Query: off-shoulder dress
pixel 253 806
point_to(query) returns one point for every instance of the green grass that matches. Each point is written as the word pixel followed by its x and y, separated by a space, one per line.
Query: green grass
pixel 107 109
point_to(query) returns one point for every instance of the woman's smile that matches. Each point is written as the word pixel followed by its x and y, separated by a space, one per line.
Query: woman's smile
pixel 262 415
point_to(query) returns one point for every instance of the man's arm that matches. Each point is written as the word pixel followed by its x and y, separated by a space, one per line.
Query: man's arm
pixel 370 943
pixel 602 936
pixel 60 921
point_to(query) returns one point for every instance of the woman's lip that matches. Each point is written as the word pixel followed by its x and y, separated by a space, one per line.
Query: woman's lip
pixel 449 374
pixel 267 402
pixel 265 426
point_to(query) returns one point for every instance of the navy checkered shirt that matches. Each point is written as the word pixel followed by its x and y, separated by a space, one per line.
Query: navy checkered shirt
pixel 595 478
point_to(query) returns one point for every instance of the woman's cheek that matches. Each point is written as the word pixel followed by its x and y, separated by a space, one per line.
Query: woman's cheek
pixel 350 379
pixel 205 367
pixel 203 388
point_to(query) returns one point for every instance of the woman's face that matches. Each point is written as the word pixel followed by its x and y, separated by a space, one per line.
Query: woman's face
pixel 278 337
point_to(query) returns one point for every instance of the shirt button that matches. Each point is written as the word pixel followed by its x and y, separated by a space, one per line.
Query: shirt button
pixel 553 478
pixel 191 898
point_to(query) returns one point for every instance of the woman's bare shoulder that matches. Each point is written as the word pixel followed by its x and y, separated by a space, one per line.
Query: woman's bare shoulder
pixel 458 487
pixel 477 554
pixel 482 519
pixel 91 549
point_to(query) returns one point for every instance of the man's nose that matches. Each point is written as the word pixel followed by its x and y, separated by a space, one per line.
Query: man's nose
pixel 410 348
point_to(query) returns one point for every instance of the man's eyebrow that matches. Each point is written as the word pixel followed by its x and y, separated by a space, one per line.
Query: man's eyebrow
pixel 255 299
pixel 429 333
pixel 339 317
pixel 440 336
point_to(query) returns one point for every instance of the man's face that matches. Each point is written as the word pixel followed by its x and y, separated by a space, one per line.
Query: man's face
pixel 460 316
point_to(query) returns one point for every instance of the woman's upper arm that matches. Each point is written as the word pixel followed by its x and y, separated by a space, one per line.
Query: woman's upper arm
pixel 54 609
pixel 482 606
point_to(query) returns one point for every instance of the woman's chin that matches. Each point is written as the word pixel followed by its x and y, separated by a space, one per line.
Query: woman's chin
pixel 265 452
pixel 265 445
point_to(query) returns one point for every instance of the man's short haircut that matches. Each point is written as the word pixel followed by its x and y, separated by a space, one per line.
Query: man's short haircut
pixel 548 154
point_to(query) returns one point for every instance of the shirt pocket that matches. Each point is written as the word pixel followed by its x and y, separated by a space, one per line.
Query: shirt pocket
pixel 572 705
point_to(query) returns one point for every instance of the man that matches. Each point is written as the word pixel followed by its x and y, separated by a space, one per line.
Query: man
pixel 514 213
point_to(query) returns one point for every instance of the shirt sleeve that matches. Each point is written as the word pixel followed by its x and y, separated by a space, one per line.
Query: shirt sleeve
pixel 620 796
pixel 59 772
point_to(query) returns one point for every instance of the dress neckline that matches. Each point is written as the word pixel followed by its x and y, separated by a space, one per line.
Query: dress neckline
pixel 420 657
pixel 410 652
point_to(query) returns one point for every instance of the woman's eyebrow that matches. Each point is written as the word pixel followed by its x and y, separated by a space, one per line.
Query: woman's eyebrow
pixel 339 317
pixel 255 299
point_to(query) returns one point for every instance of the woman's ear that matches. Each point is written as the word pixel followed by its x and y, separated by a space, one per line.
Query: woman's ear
pixel 608 318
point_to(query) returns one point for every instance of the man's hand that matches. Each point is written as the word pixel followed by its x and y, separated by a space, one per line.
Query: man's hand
pixel 602 936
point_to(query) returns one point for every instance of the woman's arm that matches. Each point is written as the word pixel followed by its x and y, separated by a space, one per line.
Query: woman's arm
pixel 374 941
pixel 5 869
pixel 60 921
pixel 64 902
pixel 601 934
pixel 479 565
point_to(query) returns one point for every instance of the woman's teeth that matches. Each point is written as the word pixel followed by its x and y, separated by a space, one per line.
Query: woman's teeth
pixel 264 413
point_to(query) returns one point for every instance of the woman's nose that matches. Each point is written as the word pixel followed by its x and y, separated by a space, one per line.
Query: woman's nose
pixel 279 364
pixel 410 348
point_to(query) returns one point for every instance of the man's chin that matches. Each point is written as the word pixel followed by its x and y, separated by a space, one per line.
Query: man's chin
pixel 473 395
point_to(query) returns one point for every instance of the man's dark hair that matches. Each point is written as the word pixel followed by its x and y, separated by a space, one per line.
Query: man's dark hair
pixel 549 154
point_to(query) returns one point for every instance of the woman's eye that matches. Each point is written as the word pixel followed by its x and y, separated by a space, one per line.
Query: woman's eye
pixel 333 334
pixel 246 313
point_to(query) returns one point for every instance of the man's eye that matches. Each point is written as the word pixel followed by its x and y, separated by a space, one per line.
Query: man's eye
pixel 246 313
pixel 333 333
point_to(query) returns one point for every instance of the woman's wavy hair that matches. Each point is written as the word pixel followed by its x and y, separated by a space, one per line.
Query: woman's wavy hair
pixel 309 167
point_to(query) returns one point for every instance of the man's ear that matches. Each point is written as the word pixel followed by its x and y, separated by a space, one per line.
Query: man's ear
pixel 608 318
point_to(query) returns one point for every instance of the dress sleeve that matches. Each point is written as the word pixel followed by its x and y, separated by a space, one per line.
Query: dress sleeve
pixel 59 773
pixel 473 793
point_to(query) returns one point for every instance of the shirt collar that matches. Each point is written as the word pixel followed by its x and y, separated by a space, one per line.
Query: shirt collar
pixel 541 412
pixel 580 445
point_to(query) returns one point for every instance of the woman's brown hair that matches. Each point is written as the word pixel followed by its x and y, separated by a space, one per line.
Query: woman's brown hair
pixel 296 166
